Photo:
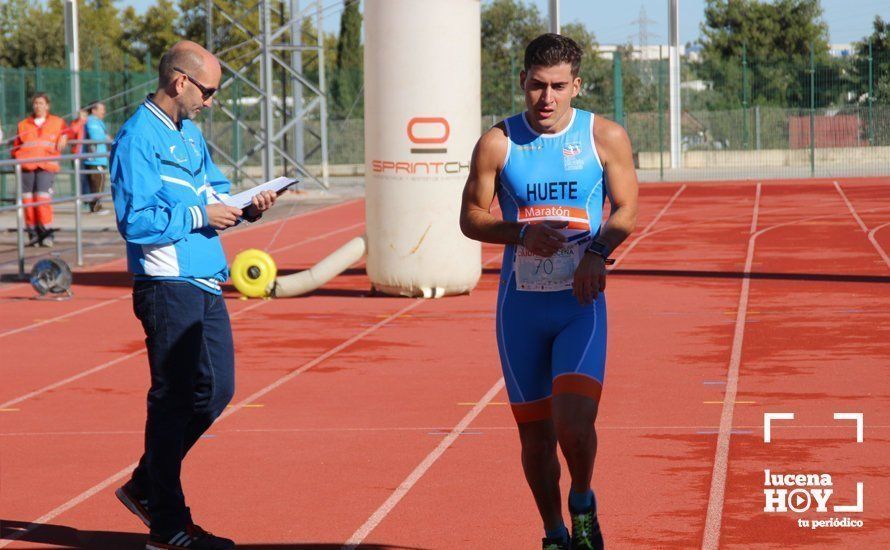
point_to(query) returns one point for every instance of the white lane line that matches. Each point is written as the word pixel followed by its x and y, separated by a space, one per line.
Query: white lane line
pixel 62 317
pixel 316 238
pixel 323 357
pixel 99 368
pixel 12 537
pixel 646 230
pixel 850 208
pixel 718 481
pixel 380 514
pixel 127 295
pixel 78 376
pixel 721 457
pixel 444 429
pixel 877 245
pixel 409 482
pixel 135 353
pixel 236 231
pixel 52 514
pixel 102 485
pixel 871 234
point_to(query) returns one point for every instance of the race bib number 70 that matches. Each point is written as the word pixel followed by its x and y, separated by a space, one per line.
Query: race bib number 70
pixel 538 274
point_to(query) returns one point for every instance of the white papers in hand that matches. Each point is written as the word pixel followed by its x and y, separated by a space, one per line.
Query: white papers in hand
pixel 243 199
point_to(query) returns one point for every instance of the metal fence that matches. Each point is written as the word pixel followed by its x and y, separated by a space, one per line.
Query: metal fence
pixel 75 197
pixel 742 117
pixel 119 90
pixel 763 118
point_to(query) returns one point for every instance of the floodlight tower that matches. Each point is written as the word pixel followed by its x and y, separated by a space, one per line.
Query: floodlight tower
pixel 260 49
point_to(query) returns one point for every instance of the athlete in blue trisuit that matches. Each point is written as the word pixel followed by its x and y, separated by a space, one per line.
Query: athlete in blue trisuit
pixel 551 168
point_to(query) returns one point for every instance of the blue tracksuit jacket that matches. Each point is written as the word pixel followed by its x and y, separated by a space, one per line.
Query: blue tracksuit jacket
pixel 162 178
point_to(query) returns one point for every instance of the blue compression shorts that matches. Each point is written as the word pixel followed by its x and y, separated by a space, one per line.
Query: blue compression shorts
pixel 549 344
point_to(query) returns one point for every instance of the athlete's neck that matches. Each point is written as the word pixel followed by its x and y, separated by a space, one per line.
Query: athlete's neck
pixel 560 125
pixel 166 104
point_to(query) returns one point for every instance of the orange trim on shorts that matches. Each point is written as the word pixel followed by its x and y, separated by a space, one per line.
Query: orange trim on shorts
pixel 579 384
pixel 532 411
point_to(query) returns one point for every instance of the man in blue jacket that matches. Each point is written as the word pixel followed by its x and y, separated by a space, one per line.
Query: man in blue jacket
pixel 167 193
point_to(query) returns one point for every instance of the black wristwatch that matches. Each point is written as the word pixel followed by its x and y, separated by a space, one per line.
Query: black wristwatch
pixel 601 250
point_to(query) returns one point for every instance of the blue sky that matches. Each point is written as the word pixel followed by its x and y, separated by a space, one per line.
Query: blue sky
pixel 612 22
pixel 848 20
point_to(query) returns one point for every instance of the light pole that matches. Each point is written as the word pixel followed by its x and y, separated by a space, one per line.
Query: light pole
pixel 554 16
pixel 674 79
pixel 72 41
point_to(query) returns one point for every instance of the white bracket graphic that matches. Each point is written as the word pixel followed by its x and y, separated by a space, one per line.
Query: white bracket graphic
pixel 859 424
pixel 768 418
pixel 858 507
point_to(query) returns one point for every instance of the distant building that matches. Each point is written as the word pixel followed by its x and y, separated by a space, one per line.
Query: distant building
pixel 697 85
pixel 651 52
pixel 692 52
pixel 841 50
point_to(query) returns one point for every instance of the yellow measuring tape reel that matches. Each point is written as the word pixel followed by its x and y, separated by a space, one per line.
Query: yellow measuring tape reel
pixel 253 273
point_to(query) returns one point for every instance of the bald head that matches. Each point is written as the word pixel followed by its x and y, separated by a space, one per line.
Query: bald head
pixel 191 58
pixel 187 79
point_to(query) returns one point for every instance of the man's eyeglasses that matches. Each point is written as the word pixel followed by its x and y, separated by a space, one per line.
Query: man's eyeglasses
pixel 206 93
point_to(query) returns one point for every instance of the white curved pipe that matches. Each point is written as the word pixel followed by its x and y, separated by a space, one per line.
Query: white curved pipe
pixel 322 272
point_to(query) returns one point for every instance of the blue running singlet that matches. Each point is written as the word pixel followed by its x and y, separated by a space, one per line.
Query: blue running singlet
pixel 548 342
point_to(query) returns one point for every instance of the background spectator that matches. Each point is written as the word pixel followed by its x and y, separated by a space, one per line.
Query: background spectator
pixel 95 131
pixel 40 135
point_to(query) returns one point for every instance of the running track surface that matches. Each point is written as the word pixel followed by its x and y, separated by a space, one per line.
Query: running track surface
pixel 383 421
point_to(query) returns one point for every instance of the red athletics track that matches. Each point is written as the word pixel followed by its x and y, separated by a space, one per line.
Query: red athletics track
pixel 382 420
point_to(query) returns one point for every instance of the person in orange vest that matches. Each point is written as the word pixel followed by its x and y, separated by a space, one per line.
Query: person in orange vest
pixel 75 130
pixel 40 135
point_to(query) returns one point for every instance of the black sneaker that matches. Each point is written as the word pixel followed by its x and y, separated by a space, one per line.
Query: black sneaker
pixel 45 236
pixel 135 502
pixel 555 544
pixel 586 533
pixel 190 538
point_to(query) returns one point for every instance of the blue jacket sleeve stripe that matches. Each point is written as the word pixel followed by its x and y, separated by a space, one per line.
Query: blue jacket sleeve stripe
pixel 142 218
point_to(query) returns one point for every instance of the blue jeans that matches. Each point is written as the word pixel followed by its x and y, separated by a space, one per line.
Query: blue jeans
pixel 192 361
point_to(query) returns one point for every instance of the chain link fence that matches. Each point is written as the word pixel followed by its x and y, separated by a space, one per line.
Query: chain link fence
pixel 754 119
pixel 744 119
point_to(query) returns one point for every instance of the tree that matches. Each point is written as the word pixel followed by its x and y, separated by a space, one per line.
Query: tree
pixel 32 34
pixel 880 53
pixel 153 32
pixel 310 59
pixel 100 31
pixel 507 26
pixel 346 81
pixel 775 38
pixel 597 85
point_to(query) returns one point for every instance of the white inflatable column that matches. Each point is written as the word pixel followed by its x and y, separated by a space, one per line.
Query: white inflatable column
pixel 422 119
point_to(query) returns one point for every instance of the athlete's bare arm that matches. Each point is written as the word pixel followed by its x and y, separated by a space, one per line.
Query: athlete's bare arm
pixel 476 220
pixel 614 150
